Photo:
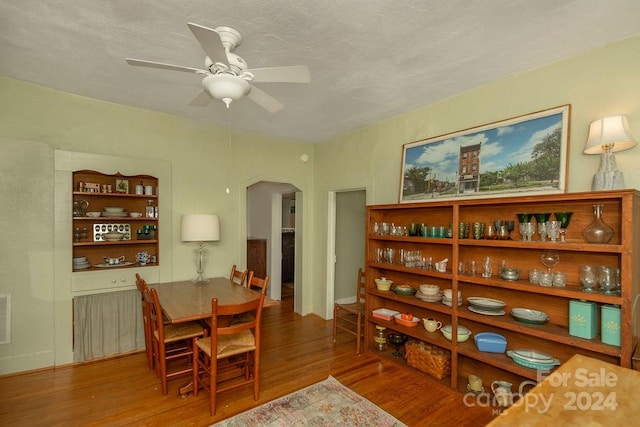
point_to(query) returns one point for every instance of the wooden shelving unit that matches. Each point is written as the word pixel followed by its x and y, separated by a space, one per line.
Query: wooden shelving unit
pixel 621 212
pixel 95 251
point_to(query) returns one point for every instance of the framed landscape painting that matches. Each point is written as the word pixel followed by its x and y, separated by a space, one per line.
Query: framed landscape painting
pixel 518 156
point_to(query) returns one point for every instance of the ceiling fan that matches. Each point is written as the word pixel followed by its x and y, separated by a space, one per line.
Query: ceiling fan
pixel 226 76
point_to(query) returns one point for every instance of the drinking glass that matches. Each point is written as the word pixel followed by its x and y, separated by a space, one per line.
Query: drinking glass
pixel 542 231
pixel 549 259
pixel 486 267
pixel 588 278
pixel 529 230
pixel 542 218
pixel 510 226
pixel 524 217
pixel 565 219
pixel 553 230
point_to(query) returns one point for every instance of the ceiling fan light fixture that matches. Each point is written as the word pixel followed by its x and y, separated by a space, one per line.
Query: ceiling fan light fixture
pixel 226 87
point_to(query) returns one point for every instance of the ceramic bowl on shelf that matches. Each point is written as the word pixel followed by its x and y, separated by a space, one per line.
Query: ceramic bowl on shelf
pixel 383 284
pixel 93 214
pixel 463 333
pixel 113 236
pixel 135 214
pixel 428 289
pixel 113 209
pixel 404 290
pixel 404 322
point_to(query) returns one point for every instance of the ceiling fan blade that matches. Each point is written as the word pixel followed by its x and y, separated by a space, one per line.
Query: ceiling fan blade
pixel 211 43
pixel 292 74
pixel 201 100
pixel 265 100
pixel 160 65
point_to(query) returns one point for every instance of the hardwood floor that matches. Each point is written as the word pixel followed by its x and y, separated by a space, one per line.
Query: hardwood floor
pixel 297 351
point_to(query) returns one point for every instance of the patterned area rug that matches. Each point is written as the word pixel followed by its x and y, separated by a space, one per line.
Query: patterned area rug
pixel 326 403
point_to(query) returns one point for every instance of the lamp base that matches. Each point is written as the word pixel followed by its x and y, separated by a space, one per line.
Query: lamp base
pixel 200 279
pixel 608 176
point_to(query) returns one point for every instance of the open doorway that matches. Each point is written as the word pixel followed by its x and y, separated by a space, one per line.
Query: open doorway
pixel 274 227
pixel 346 245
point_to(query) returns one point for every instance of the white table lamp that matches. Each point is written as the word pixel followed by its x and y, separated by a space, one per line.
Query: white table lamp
pixel 200 228
pixel 606 136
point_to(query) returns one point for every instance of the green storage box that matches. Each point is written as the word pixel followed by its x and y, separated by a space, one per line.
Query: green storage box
pixel 583 319
pixel 610 327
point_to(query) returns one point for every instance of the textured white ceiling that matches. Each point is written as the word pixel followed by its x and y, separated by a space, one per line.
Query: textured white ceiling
pixel 369 59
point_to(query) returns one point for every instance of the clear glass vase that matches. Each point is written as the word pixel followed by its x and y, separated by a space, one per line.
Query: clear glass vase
pixel 598 231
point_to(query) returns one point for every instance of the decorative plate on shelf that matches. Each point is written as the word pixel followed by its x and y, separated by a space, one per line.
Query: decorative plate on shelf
pixel 486 303
pixel 479 310
pixel 529 316
pixel 122 264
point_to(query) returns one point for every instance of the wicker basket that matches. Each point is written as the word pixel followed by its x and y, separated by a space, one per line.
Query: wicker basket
pixel 429 359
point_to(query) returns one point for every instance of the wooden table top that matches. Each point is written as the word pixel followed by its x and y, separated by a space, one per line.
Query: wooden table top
pixel 581 392
pixel 184 301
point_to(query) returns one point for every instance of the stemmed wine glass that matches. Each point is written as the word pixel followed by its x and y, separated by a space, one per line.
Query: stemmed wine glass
pixel 549 259
pixel 541 219
pixel 565 219
pixel 510 226
pixel 397 340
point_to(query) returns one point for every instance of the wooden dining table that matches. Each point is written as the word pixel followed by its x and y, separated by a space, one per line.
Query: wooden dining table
pixel 185 300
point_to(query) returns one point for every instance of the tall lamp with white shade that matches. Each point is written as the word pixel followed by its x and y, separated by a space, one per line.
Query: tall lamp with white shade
pixel 606 136
pixel 200 228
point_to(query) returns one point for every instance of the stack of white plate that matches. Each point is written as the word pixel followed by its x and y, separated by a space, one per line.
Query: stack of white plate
pixel 437 297
pixel 449 301
pixel 80 262
pixel 487 306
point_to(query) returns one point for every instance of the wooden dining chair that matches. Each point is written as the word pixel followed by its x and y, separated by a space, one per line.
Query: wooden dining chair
pixel 174 342
pixel 141 284
pixel 350 317
pixel 257 283
pixel 238 345
pixel 238 277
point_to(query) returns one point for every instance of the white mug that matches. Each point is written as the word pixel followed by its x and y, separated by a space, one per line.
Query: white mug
pixel 148 190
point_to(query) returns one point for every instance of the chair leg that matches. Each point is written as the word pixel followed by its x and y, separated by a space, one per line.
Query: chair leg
pixel 358 331
pixel 335 322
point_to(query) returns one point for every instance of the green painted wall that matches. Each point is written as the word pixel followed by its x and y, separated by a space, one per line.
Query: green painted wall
pixel 206 159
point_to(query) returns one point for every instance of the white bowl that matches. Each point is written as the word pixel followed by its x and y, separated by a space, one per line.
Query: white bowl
pixel 463 333
pixel 383 284
pixel 112 209
pixel 113 236
pixel 135 214
pixel 427 289
pixel 93 214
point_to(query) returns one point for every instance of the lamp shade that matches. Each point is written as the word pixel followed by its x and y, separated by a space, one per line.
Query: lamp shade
pixel 226 87
pixel 200 228
pixel 610 133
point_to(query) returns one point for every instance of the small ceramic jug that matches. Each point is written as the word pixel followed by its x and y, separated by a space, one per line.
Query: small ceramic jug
pixel 431 324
